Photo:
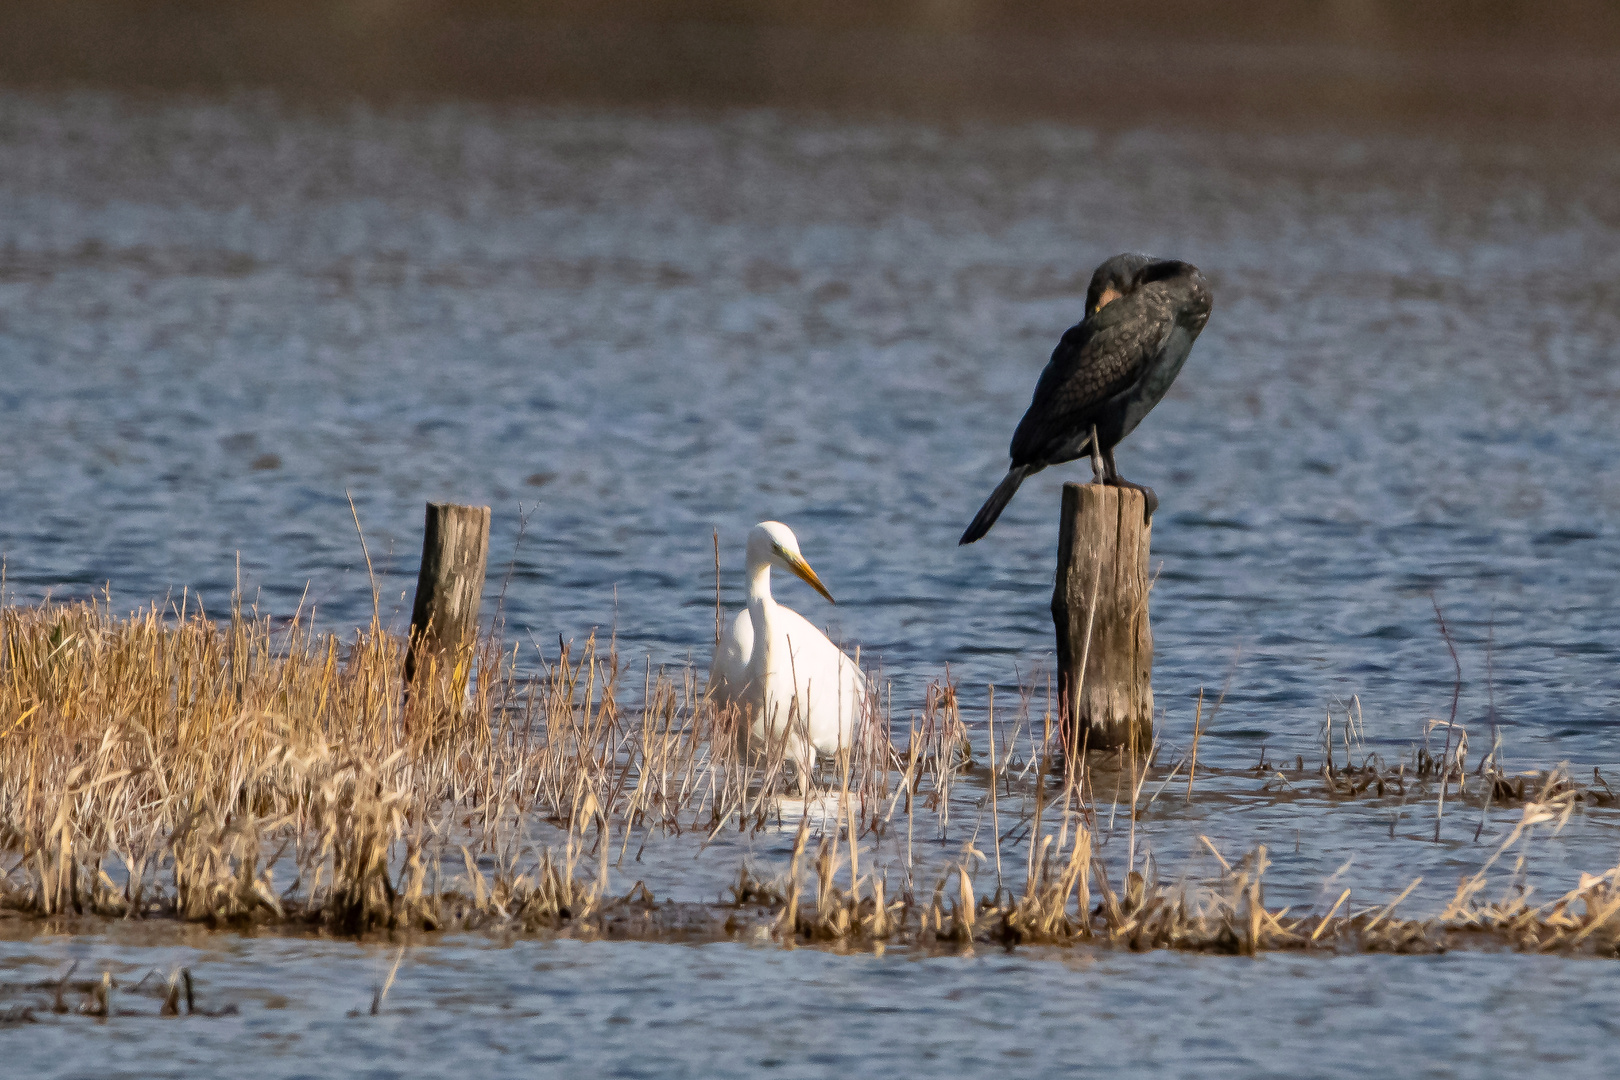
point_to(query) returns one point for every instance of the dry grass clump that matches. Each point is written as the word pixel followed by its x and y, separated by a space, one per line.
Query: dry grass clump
pixel 1439 763
pixel 197 759
pixel 239 771
pixel 104 997
pixel 1227 915
pixel 1067 897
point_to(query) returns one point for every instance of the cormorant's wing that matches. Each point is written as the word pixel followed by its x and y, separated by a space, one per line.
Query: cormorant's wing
pixel 1094 362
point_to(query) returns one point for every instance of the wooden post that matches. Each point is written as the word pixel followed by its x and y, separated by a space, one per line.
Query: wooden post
pixel 1100 608
pixel 444 618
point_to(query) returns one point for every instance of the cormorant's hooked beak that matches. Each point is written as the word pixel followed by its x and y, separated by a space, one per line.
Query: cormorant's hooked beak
pixel 797 564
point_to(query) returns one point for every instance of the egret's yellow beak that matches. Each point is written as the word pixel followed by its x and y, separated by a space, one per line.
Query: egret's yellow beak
pixel 799 566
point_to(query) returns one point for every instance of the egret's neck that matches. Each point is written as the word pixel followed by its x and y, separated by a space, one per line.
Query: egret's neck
pixel 759 585
pixel 761 609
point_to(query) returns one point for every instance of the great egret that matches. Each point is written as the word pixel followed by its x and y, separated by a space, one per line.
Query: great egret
pixel 789 681
pixel 1107 372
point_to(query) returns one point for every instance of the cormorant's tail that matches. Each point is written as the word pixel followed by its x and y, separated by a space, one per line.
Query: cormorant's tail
pixel 997 502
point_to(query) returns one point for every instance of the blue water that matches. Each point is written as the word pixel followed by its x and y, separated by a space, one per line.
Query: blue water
pixel 220 320
pixel 567 1008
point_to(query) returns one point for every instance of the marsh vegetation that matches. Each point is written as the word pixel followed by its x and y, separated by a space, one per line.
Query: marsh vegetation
pixel 244 771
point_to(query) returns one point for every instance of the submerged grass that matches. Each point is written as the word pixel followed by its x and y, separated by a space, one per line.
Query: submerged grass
pixel 163 764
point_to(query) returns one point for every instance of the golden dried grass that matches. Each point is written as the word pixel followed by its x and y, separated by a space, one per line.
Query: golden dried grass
pixel 164 764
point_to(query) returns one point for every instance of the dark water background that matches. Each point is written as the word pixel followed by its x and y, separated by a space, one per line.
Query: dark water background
pixel 221 315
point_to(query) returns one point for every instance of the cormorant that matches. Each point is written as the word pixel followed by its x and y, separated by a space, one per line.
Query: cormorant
pixel 1107 372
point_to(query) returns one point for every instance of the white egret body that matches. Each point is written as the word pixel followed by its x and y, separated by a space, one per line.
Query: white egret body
pixel 787 678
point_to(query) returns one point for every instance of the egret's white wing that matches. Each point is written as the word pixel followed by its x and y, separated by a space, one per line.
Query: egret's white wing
pixel 728 676
pixel 825 678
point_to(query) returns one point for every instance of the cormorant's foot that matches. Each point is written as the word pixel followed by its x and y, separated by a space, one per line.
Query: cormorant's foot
pixel 1150 500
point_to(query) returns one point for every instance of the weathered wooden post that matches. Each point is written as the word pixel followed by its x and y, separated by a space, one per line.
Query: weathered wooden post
pixel 444 618
pixel 1100 608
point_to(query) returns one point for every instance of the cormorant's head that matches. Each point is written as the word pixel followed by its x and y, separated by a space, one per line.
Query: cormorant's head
pixel 1113 279
pixel 1124 274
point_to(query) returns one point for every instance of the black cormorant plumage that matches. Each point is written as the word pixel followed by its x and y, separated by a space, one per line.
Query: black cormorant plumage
pixel 1142 315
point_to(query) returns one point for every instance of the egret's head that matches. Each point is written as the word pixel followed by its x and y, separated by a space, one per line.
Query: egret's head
pixel 774 543
pixel 1114 279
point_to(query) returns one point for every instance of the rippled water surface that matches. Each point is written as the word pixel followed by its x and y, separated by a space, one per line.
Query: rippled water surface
pixel 221 319
pixel 218 319
pixel 639 1010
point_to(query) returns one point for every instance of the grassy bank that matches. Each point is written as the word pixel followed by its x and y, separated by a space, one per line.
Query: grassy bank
pixel 239 771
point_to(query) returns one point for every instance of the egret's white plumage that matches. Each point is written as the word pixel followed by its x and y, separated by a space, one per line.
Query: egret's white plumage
pixel 783 673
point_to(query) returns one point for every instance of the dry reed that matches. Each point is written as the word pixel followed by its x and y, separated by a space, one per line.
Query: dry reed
pixel 164 764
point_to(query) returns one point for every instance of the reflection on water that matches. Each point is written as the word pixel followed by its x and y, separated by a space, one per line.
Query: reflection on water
pixel 219 319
